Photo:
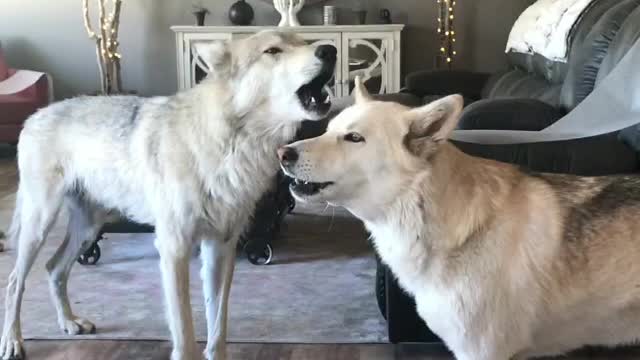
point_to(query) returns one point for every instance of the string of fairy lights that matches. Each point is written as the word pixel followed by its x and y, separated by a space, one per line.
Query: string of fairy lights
pixel 446 30
pixel 109 28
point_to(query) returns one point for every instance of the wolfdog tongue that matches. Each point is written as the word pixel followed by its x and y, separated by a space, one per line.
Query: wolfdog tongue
pixel 307 188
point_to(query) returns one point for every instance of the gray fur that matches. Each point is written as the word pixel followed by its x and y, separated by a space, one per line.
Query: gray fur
pixel 194 165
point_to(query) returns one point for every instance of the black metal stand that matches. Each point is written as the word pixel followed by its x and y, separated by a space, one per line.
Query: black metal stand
pixel 256 244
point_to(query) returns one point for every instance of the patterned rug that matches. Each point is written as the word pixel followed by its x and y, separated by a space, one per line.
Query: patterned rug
pixel 319 288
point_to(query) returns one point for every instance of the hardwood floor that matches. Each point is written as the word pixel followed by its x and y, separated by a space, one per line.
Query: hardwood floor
pixel 154 350
pixel 159 350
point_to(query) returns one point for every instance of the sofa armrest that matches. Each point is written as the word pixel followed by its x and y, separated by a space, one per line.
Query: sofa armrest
pixel 594 156
pixel 444 82
pixel 509 114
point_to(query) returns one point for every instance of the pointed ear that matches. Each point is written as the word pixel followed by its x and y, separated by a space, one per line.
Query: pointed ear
pixel 431 124
pixel 360 92
pixel 215 54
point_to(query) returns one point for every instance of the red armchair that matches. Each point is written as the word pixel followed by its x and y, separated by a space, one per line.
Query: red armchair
pixel 22 92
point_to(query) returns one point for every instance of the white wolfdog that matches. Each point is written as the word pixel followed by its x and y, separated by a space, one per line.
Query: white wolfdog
pixel 193 165
pixel 504 264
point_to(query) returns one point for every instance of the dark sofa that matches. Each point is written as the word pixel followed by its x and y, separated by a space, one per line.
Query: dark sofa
pixel 530 95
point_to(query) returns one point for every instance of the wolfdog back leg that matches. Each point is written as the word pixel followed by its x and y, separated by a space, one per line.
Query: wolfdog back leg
pixel 85 221
pixel 218 259
pixel 40 199
pixel 174 246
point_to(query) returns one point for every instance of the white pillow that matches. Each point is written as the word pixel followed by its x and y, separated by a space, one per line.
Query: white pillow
pixel 544 27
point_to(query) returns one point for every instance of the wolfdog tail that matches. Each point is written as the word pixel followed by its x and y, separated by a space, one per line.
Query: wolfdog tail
pixel 14 229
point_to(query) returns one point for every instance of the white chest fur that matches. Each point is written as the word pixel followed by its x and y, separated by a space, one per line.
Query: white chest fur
pixel 407 254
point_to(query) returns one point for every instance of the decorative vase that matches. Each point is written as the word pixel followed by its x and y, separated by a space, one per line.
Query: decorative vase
pixel 385 16
pixel 288 10
pixel 200 16
pixel 241 13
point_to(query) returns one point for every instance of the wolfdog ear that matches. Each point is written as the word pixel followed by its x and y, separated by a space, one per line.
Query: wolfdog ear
pixel 215 54
pixel 429 125
pixel 360 92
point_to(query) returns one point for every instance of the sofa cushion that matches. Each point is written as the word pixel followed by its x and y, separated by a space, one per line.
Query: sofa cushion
pixel 520 84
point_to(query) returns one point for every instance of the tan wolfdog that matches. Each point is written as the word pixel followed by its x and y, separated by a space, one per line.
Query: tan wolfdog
pixel 503 263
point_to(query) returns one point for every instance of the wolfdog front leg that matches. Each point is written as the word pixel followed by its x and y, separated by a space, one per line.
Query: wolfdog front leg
pixel 218 260
pixel 174 246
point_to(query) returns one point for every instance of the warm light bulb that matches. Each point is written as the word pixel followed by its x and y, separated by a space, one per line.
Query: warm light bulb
pixel 446 33
pixel 442 49
pixel 438 30
pixel 455 53
pixel 450 16
pixel 450 9
pixel 454 39
pixel 448 59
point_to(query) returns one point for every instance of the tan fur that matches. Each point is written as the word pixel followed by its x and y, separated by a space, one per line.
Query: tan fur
pixel 503 263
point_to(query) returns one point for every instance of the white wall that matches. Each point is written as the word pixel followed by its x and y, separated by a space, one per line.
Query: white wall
pixel 49 35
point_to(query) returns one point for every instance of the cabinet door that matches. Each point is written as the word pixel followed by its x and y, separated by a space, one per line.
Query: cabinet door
pixel 369 55
pixel 193 67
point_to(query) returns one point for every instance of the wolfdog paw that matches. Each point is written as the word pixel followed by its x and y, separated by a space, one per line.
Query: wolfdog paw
pixel 78 326
pixel 177 354
pixel 215 352
pixel 11 348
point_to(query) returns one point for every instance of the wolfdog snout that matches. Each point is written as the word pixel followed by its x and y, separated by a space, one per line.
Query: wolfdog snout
pixel 326 52
pixel 287 156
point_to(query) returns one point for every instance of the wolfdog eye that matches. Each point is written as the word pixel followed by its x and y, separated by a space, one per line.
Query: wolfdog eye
pixel 273 50
pixel 354 137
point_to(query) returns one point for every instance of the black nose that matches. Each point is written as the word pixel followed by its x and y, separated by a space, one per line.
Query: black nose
pixel 287 155
pixel 326 52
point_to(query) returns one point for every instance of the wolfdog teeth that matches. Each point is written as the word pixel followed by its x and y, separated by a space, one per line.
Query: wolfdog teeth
pixel 313 99
pixel 327 100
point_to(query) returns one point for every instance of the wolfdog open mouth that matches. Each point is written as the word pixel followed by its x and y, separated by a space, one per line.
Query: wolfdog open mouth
pixel 308 188
pixel 313 96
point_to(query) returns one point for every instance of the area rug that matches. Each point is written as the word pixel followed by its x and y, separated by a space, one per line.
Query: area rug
pixel 319 288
